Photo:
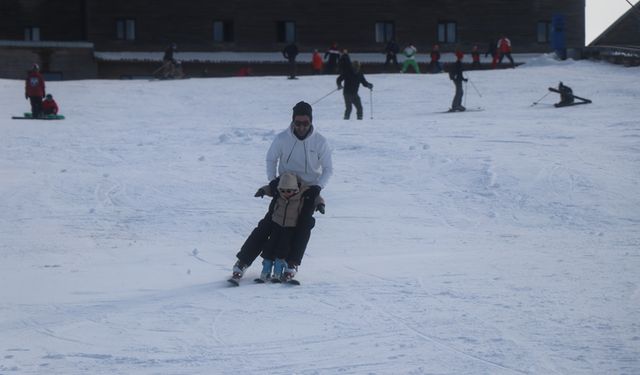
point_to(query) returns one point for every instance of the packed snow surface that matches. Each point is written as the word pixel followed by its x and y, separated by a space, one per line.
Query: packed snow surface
pixel 504 241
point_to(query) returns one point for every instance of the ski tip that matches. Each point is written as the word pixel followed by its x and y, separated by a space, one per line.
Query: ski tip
pixel 293 282
pixel 258 281
pixel 234 282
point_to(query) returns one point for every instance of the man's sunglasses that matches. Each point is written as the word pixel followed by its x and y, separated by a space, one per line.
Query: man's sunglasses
pixel 302 123
pixel 288 191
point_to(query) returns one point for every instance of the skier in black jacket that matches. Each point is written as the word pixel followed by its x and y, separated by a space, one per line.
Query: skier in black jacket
pixel 352 79
pixel 290 53
pixel 457 78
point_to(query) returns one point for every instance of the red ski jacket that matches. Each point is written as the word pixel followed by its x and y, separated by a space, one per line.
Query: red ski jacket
pixel 50 105
pixel 504 45
pixel 34 84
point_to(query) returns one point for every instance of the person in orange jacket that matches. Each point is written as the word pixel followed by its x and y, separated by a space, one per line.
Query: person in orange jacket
pixel 316 62
pixel 49 106
pixel 504 48
pixel 34 90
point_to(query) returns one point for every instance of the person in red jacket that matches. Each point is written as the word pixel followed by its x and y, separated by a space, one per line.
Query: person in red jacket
pixel 475 57
pixel 434 64
pixel 504 48
pixel 316 62
pixel 49 106
pixel 34 90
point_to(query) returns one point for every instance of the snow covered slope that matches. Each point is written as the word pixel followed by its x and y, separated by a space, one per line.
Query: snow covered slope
pixel 505 241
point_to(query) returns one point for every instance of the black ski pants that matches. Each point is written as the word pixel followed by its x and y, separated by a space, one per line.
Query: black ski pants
pixel 457 99
pixel 36 106
pixel 351 100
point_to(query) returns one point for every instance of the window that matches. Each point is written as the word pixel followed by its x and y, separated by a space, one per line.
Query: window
pixel 286 31
pixel 126 29
pixel 32 33
pixel 385 31
pixel 544 31
pixel 447 32
pixel 222 31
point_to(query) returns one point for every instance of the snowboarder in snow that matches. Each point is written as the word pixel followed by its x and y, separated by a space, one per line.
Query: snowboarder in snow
pixel 391 50
pixel 290 52
pixel 331 57
pixel 289 199
pixel 410 54
pixel 34 90
pixel 456 76
pixel 49 106
pixel 352 79
pixel 301 150
pixel 434 64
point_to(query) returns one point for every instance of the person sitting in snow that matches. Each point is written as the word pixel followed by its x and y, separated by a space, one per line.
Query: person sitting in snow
pixel 566 96
pixel 49 106
pixel 289 199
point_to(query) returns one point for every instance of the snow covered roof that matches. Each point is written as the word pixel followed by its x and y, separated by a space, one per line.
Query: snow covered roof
pixel 44 44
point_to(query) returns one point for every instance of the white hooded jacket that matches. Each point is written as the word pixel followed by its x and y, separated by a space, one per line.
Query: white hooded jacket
pixel 309 159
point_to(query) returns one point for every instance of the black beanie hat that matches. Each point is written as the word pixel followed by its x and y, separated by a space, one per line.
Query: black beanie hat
pixel 302 109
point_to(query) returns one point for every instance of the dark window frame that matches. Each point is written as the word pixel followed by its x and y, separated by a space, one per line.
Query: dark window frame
pixel 386 35
pixel 447 39
pixel 123 30
pixel 227 31
pixel 29 33
pixel 282 34
pixel 548 31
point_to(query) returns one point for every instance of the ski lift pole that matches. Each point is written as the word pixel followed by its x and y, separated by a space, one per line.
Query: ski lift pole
pixel 371 101
pixel 325 96
pixel 475 88
pixel 539 100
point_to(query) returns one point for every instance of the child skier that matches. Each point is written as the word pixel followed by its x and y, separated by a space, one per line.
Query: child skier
pixel 49 106
pixel 410 54
pixel 288 205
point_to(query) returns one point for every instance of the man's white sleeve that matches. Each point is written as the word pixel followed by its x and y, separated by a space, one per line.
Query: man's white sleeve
pixel 327 166
pixel 272 160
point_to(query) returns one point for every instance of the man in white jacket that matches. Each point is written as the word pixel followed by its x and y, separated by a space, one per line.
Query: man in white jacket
pixel 300 150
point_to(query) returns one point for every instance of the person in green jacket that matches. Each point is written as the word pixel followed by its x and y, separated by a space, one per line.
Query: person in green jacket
pixel 410 54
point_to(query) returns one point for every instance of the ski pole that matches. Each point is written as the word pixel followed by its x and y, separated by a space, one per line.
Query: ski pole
pixel 371 101
pixel 465 90
pixel 325 96
pixel 475 88
pixel 539 100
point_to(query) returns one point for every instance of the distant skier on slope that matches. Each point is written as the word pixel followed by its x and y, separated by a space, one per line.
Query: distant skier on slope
pixel 456 76
pixel 34 90
pixel 352 79
pixel 566 96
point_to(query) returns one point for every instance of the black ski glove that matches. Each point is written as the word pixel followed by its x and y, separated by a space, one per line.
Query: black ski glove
pixel 370 86
pixel 313 191
pixel 260 193
pixel 320 208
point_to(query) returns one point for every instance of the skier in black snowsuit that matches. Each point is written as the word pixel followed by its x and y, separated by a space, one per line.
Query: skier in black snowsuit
pixel 457 78
pixel 331 56
pixel 352 78
pixel 290 52
pixel 566 96
pixel 391 50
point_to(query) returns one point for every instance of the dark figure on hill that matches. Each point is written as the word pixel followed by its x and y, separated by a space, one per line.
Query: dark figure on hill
pixel 456 76
pixel 391 50
pixel 331 57
pixel 434 64
pixel 475 57
pixel 290 52
pixel 352 79
pixel 567 98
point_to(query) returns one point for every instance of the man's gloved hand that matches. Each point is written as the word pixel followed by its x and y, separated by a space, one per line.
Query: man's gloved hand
pixel 339 87
pixel 370 86
pixel 273 185
pixel 320 208
pixel 314 190
pixel 260 193
pixel 26 96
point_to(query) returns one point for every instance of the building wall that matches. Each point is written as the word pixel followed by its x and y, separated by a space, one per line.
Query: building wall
pixel 60 20
pixel 55 61
pixel 318 23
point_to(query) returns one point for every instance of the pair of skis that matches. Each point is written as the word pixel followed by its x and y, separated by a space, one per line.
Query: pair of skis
pixel 234 281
